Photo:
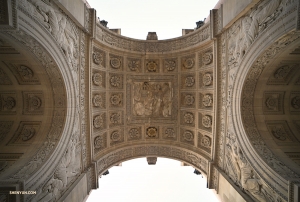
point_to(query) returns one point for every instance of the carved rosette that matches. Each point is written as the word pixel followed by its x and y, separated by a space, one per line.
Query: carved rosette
pixel 207 100
pixel 98 57
pixel 170 65
pixel 116 99
pixel 152 132
pixel 152 66
pixel 25 72
pixel 134 65
pixel 188 136
pixel 207 121
pixel 169 133
pixel 115 63
pixel 34 103
pixel 272 103
pixel 282 72
pixel 8 103
pixel 295 102
pixel 279 133
pixel 99 101
pixel 189 81
pixel 99 142
pixel 188 118
pixel 134 134
pixel 116 81
pixel 207 58
pixel 188 63
pixel 205 141
pixel 207 79
pixel 97 79
pixel 189 100
pixel 98 121
pixel 27 133
pixel 115 136
pixel 115 118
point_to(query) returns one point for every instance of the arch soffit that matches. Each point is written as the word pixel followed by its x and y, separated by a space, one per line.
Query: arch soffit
pixel 31 36
pixel 261 51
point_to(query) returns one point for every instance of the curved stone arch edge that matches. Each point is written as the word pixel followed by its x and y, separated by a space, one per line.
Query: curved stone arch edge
pixel 247 63
pixel 53 52
pixel 172 152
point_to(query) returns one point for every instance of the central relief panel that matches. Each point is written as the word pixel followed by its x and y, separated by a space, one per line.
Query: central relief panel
pixel 151 99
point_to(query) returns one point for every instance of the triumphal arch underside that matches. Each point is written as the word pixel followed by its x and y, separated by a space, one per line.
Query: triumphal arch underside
pixel 77 98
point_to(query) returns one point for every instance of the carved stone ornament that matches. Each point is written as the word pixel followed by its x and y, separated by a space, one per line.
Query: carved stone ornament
pixel 152 66
pixel 207 121
pixel 134 133
pixel 152 132
pixel 34 103
pixel 296 102
pixel 189 100
pixel 207 79
pixel 98 101
pixel 116 99
pixel 170 65
pixel 279 133
pixel 9 103
pixel 188 136
pixel 282 72
pixel 98 142
pixel 207 100
pixel 152 99
pixel 205 141
pixel 98 121
pixel 115 136
pixel 207 58
pixel 189 81
pixel 27 133
pixel 134 65
pixel 25 72
pixel 115 81
pixel 115 118
pixel 272 103
pixel 97 57
pixel 97 79
pixel 188 63
pixel 188 118
pixel 115 63
pixel 170 133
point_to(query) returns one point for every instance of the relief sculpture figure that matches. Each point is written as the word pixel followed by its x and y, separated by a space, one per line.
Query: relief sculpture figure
pixel 245 175
pixel 152 99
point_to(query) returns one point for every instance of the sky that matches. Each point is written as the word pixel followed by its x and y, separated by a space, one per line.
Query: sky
pixel 135 180
pixel 165 17
pixel 167 181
